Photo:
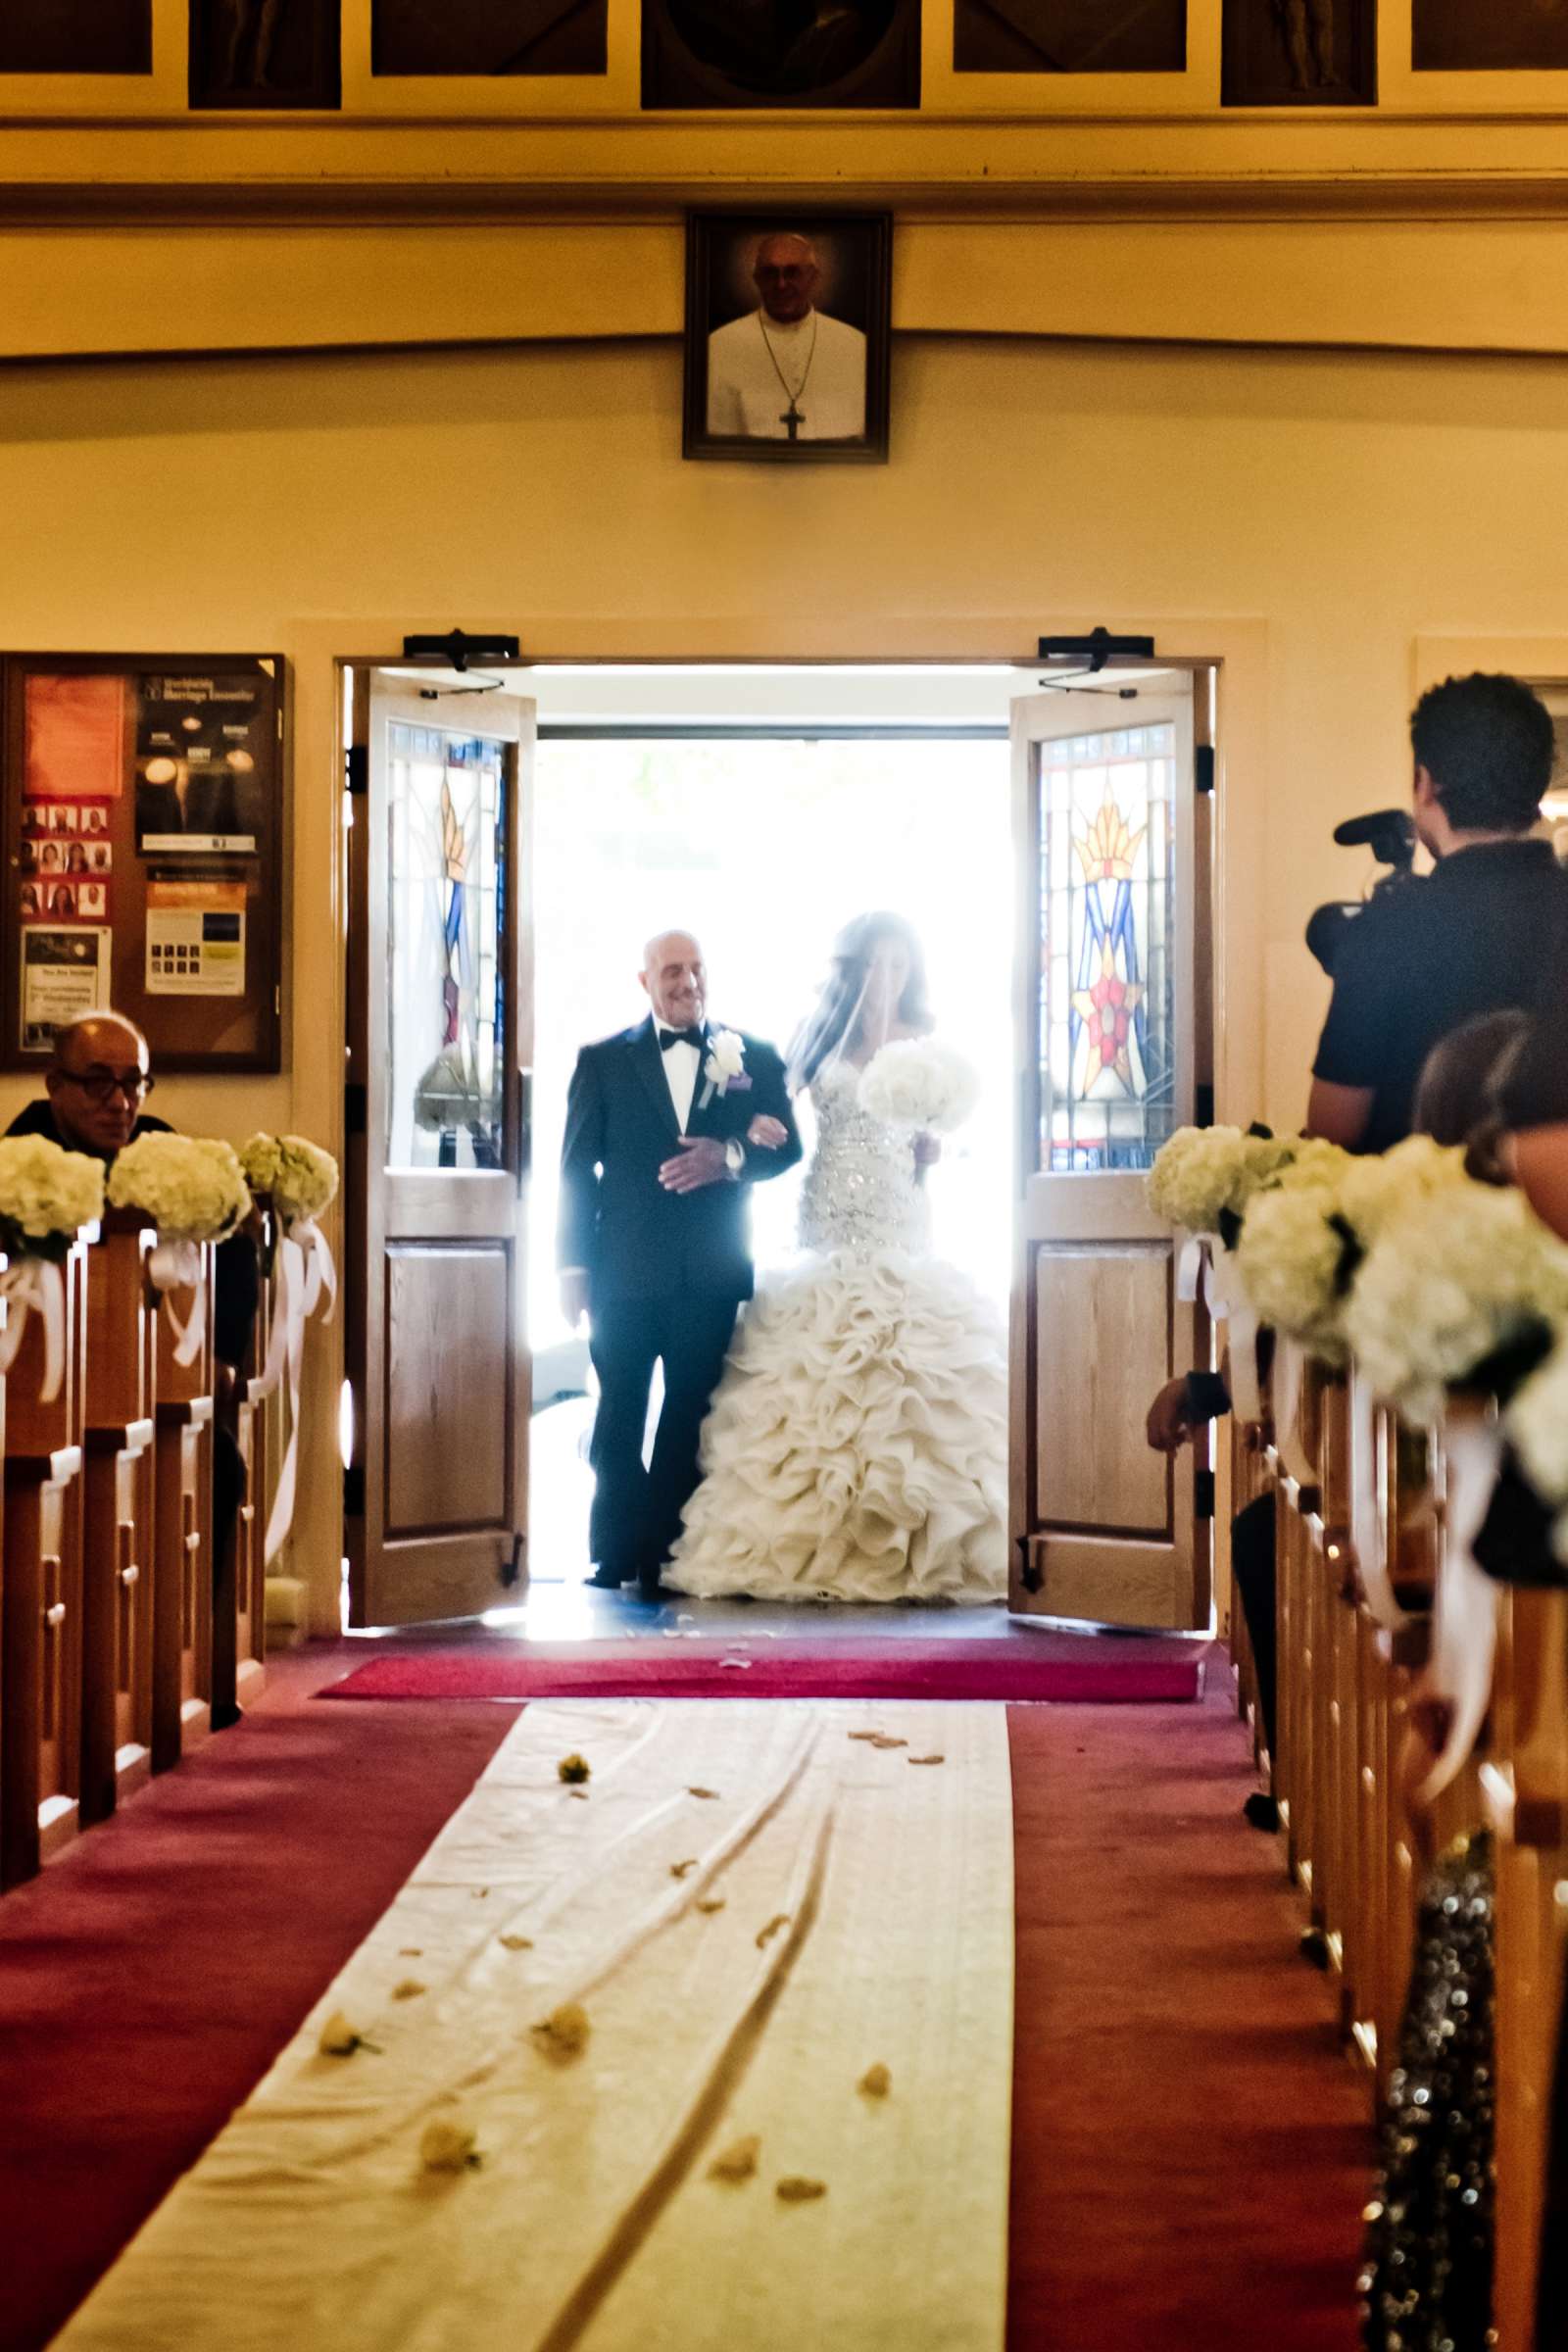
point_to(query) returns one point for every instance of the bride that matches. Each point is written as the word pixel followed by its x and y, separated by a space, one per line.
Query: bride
pixel 855 1446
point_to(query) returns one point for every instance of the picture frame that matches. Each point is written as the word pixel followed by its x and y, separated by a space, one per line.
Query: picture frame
pixel 1299 53
pixel 159 895
pixel 776 299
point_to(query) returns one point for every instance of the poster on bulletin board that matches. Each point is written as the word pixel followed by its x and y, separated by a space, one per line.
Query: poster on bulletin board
pixel 143 809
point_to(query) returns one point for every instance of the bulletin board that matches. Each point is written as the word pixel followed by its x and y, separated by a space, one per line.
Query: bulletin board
pixel 143 826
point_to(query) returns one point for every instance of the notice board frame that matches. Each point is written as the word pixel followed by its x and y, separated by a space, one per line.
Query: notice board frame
pixel 174 1023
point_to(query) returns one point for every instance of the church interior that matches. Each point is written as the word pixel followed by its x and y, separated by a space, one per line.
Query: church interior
pixel 421 1927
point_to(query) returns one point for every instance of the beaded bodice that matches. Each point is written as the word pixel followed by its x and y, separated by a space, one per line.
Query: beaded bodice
pixel 860 1191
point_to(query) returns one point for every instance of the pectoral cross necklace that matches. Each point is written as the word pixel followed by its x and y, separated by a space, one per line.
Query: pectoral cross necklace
pixel 792 418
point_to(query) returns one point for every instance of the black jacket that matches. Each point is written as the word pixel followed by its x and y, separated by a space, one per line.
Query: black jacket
pixel 633 1238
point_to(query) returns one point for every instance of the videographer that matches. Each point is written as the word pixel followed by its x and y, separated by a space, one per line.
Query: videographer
pixel 1477 934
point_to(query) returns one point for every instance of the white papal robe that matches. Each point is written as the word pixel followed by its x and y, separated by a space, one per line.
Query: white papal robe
pixel 748 395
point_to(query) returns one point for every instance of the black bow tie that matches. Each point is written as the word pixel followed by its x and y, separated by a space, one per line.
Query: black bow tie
pixel 680 1037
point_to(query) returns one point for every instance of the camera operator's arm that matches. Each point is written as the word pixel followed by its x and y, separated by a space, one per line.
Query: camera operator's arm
pixel 1351 1050
pixel 1339 1114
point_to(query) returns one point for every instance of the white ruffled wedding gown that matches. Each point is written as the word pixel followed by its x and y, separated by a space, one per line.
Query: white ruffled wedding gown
pixel 855 1448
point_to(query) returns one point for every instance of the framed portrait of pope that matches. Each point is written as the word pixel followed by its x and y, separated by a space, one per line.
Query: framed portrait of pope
pixel 787 335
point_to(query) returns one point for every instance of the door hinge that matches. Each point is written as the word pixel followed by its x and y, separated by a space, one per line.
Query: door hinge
pixel 354 1108
pixel 511 1568
pixel 1202 1106
pixel 1204 768
pixel 1030 1573
pixel 354 1491
pixel 1203 1493
pixel 356 768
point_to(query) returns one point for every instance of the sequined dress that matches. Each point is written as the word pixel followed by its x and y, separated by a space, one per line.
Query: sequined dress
pixel 855 1448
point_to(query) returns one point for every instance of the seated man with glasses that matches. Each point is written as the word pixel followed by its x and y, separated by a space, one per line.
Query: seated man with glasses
pixel 97 1080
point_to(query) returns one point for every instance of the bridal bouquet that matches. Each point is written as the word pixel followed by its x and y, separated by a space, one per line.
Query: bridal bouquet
pixel 921 1084
pixel 192 1190
pixel 46 1196
pixel 1462 1289
pixel 300 1178
pixel 1203 1177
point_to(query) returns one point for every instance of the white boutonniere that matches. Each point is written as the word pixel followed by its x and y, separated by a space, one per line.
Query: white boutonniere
pixel 725 1063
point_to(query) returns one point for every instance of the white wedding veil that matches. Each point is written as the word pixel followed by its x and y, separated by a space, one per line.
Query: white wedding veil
pixel 854 1010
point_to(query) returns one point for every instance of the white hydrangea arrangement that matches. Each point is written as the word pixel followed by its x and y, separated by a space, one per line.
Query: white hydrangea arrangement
pixel 300 1178
pixel 1461 1287
pixel 1383 1184
pixel 46 1196
pixel 191 1188
pixel 1203 1177
pixel 920 1083
pixel 1295 1254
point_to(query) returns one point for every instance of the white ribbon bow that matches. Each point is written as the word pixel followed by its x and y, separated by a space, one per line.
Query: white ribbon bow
pixel 1290 1361
pixel 182 1266
pixel 1229 1304
pixel 1369 1526
pixel 35 1284
pixel 1464 1631
pixel 304 1275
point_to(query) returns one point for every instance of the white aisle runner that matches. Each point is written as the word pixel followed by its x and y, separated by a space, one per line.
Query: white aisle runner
pixel 592 2220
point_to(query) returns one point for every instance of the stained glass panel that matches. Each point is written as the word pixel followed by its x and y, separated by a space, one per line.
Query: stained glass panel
pixel 1107 847
pixel 446 918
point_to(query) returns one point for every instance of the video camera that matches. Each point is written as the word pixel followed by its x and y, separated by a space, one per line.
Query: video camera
pixel 1390 835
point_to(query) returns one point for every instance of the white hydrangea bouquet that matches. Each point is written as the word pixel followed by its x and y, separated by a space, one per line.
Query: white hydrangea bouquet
pixel 1296 1254
pixel 47 1195
pixel 298 1176
pixel 193 1189
pixel 1203 1177
pixel 1462 1289
pixel 920 1083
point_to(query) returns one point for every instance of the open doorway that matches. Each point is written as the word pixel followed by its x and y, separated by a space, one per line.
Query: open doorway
pixel 654 806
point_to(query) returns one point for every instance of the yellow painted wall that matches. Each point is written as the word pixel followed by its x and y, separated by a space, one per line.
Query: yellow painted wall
pixel 1320 512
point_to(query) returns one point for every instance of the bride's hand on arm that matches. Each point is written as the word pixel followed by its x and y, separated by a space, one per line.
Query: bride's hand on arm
pixel 767 1134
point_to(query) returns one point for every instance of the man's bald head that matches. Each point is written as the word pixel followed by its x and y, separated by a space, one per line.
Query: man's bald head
pixel 675 978
pixel 786 275
pixel 97 1077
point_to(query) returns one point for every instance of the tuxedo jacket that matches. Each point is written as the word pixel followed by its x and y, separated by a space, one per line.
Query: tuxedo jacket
pixel 635 1240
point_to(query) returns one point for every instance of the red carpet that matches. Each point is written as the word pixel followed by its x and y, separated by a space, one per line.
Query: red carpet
pixel 1023 1668
pixel 1189 2144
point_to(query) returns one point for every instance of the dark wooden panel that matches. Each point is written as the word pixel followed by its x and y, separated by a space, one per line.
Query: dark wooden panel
pixel 265 53
pixel 1301 53
pixel 1457 36
pixel 1069 36
pixel 449 1374
pixel 76 36
pixel 755 53
pixel 489 37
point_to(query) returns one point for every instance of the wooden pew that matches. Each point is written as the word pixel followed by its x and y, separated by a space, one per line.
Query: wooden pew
pixel 118 1601
pixel 183 1539
pixel 41 1595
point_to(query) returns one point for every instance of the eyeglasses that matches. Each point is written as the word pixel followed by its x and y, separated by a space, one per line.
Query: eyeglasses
pixel 102 1086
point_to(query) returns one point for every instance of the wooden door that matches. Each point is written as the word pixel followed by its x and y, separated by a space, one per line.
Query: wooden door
pixel 1110 1044
pixel 439 1046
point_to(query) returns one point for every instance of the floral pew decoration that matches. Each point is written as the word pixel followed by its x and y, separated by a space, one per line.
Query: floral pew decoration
pixel 299 1182
pixel 47 1196
pixel 1451 1298
pixel 1200 1183
pixel 192 1189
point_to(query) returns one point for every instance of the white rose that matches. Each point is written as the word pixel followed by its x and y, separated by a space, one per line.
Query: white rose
pixel 727 1055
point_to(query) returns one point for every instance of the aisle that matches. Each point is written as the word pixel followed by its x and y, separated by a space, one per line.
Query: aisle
pixel 1189 2144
